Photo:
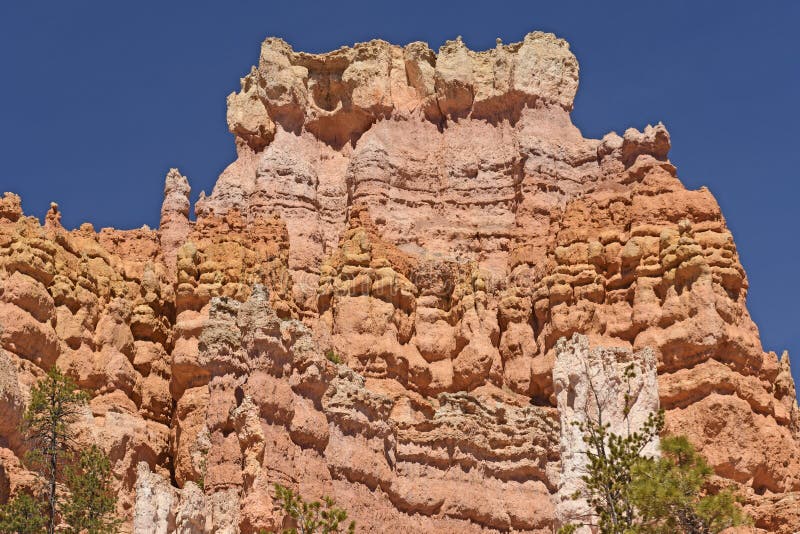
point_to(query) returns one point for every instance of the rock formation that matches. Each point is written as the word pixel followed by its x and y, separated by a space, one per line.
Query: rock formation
pixel 606 386
pixel 370 302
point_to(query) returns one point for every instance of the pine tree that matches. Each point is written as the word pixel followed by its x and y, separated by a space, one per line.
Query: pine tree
pixel 613 460
pixel 90 506
pixel 23 514
pixel 668 492
pixel 47 423
pixel 631 493
pixel 311 517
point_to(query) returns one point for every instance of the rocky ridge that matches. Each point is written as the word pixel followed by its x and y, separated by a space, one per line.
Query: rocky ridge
pixel 370 302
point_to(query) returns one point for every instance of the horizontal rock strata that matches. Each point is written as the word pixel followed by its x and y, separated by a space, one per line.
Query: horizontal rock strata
pixel 369 303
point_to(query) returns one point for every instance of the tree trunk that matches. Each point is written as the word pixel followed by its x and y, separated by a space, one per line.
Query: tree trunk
pixel 53 453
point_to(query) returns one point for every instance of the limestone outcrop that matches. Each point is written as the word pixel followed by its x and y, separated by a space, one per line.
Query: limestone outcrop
pixel 604 386
pixel 369 305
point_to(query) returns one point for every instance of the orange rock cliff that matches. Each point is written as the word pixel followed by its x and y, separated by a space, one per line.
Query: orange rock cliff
pixel 372 301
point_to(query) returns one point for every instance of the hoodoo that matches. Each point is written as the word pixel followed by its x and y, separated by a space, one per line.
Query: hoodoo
pixel 373 299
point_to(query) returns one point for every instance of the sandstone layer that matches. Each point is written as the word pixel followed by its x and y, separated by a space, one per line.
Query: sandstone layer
pixel 369 304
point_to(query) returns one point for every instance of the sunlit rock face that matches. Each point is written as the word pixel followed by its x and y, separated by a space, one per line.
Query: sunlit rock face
pixel 609 386
pixel 369 304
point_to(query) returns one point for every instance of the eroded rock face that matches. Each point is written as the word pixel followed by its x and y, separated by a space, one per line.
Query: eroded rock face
pixel 603 386
pixel 369 304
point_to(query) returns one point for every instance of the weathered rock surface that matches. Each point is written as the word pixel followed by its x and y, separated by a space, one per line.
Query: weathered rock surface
pixel 603 386
pixel 435 223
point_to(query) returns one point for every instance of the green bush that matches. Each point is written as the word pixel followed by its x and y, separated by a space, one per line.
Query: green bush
pixel 631 493
pixel 311 517
pixel 23 514
pixel 669 492
pixel 90 506
pixel 333 357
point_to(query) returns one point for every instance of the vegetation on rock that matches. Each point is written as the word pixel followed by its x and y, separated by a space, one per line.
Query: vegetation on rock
pixel 669 492
pixel 632 493
pixel 332 357
pixel 88 505
pixel 91 503
pixel 23 514
pixel 47 424
pixel 310 517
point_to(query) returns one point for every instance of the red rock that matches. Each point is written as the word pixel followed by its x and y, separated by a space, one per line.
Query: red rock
pixel 368 304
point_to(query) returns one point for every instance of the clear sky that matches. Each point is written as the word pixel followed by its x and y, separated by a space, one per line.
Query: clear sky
pixel 99 98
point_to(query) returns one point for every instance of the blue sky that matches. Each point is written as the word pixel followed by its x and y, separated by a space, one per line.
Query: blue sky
pixel 98 99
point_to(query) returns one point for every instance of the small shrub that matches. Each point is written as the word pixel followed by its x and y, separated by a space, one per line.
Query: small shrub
pixel 333 357
pixel 311 517
pixel 201 480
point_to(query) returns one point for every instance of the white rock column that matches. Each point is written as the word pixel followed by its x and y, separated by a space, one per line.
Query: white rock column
pixel 161 508
pixel 155 503
pixel 588 382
